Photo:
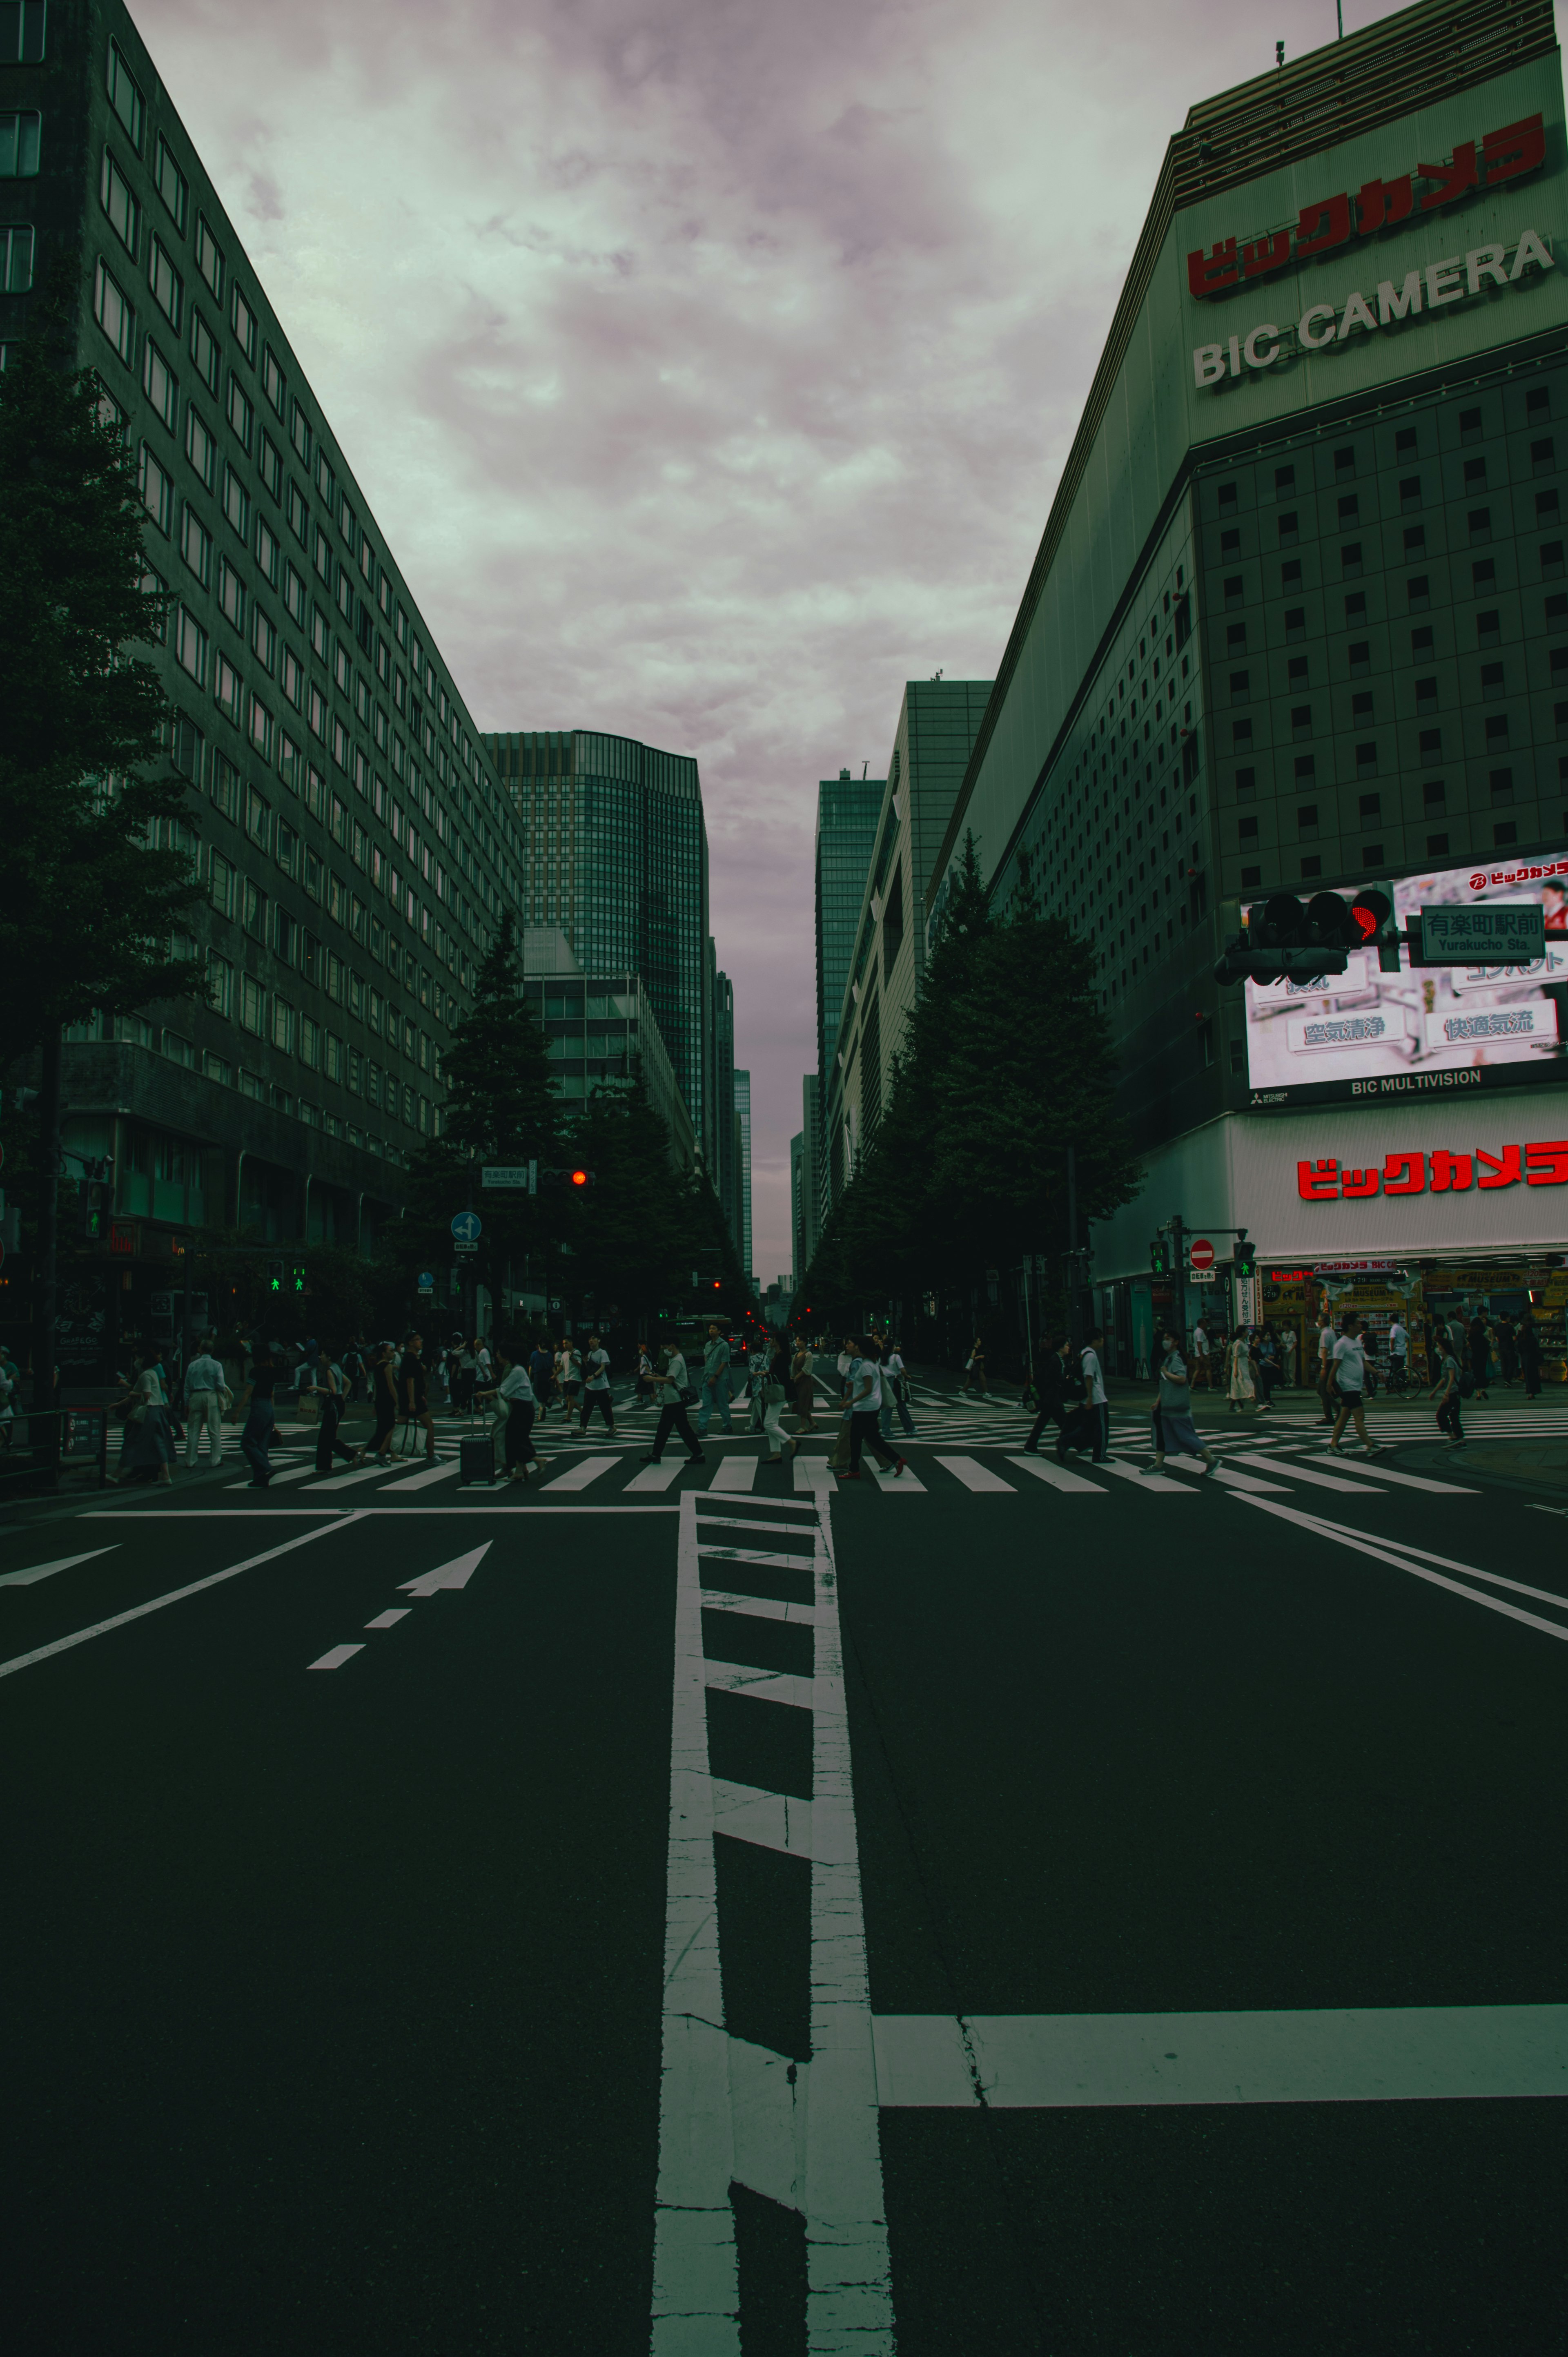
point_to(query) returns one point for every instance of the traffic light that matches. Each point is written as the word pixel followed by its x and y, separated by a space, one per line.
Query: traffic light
pixel 1246 1261
pixel 582 1177
pixel 1160 1257
pixel 274 1276
pixel 296 1276
pixel 572 1179
pixel 1287 940
pixel 90 1211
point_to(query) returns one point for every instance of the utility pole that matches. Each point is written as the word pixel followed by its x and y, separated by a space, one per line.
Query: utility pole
pixel 1074 1308
pixel 46 1433
pixel 1178 1277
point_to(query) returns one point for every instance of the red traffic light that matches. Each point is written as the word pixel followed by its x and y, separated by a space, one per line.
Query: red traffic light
pixel 717 1282
pixel 579 1177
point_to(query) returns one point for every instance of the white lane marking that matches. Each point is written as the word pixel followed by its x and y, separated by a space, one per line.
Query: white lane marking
pixel 1045 1469
pixel 736 1473
pixel 767 1507
pixel 814 1474
pixel 760 1608
pixel 770 1820
pixel 455 1574
pixel 1309 1474
pixel 975 1476
pixel 897 1482
pixel 175 1596
pixel 849 2293
pixel 578 1476
pixel 1372 2054
pixel 696 2292
pixel 421 1480
pixel 1161 1481
pixel 390 1619
pixel 1446 1563
pixel 47 1570
pixel 1228 1478
pixel 711 1554
pixel 335 1658
pixel 371 1472
pixel 1385 1553
pixel 1375 1471
pixel 662 1476
pixel 769 1685
pixel 288 1473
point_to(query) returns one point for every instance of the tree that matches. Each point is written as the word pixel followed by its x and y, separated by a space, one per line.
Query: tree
pixel 632 1232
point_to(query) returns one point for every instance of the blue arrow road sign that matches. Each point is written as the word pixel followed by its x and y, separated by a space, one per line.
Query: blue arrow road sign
pixel 468 1227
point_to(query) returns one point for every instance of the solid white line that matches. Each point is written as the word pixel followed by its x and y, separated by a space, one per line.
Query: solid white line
pixel 760 1608
pixel 812 1473
pixel 578 1476
pixel 849 2293
pixel 711 1554
pixel 1045 1469
pixel 390 1619
pixel 976 1476
pixel 175 1596
pixel 1228 1478
pixel 335 1659
pixel 422 1480
pixel 767 1685
pixel 768 1820
pixel 736 1473
pixel 1446 1563
pixel 47 1570
pixel 1374 2054
pixel 1403 1563
pixel 768 1506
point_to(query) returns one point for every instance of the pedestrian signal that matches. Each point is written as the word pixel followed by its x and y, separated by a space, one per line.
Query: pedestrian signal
pixel 274 1276
pixel 1160 1257
pixel 1246 1260
pixel 297 1277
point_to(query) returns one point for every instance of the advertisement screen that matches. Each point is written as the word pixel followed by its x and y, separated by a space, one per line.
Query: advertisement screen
pixel 1366 1034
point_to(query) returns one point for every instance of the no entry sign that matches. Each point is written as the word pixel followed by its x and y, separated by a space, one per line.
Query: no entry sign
pixel 1201 1253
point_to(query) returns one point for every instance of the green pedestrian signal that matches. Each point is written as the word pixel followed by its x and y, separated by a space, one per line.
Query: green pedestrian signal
pixel 297 1276
pixel 1160 1257
pixel 1246 1258
pixel 274 1276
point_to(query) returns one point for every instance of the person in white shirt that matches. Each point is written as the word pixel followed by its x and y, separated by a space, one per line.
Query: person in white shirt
pixel 672 1387
pixel 1094 1395
pixel 1399 1348
pixel 864 1387
pixel 515 1392
pixel 206 1397
pixel 895 1393
pixel 596 1390
pixel 1350 1371
pixel 1202 1367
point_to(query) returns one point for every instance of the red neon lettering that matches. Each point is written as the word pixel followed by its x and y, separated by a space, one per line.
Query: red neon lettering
pixel 1546 1165
pixel 1453 180
pixel 1266 253
pixel 1317 1182
pixel 1381 203
pixel 1404 1174
pixel 1325 225
pixel 1451 1170
pixel 1517 149
pixel 1361 1182
pixel 1505 1172
pixel 1211 274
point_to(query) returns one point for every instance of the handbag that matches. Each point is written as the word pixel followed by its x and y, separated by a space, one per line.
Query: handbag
pixel 773 1394
pixel 688 1396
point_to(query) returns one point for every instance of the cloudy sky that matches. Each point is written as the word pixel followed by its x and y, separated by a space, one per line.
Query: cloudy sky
pixel 710 363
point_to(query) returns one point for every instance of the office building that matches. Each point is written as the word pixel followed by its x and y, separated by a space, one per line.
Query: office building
pixel 807 1203
pixel 743 1170
pixel 617 856
pixel 937 723
pixel 601 1032
pixel 723 1170
pixel 847 811
pixel 356 851
pixel 1299 620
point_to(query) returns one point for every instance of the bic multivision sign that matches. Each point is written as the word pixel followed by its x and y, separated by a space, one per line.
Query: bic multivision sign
pixel 1378 207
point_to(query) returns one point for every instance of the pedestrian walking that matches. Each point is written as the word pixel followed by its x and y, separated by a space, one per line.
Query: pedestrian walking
pixel 800 1375
pixel 1350 1374
pixel 1172 1422
pixel 1507 1350
pixel 515 1401
pixel 715 1379
pixel 207 1395
pixel 1094 1394
pixel 771 1386
pixel 414 1385
pixel 1446 1392
pixel 596 1388
pixel 152 1450
pixel 331 1390
pixel 267 1372
pixel 1529 1356
pixel 1241 1385
pixel 383 1398
pixel 10 1377
pixel 1325 1340
pixel 643 1386
pixel 839 1460
pixel 676 1395
pixel 974 1371
pixel 1398 1353
pixel 896 1379
pixel 1051 1382
pixel 864 1395
pixel 1202 1358
pixel 1480 1356
pixel 1268 1358
pixel 1292 1349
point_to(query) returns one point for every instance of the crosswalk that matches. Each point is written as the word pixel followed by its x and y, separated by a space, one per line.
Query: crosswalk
pixel 1252 1464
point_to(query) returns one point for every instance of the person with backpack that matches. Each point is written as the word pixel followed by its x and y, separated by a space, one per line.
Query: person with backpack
pixel 1350 1374
pixel 771 1386
pixel 1173 1424
pixel 673 1383
pixel 1447 1391
pixel 596 1390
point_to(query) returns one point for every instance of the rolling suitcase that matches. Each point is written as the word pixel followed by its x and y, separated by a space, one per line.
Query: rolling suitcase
pixel 475 1459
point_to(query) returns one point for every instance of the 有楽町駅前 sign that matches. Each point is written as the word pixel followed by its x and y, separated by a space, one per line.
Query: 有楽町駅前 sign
pixel 1412 1171
pixel 1454 279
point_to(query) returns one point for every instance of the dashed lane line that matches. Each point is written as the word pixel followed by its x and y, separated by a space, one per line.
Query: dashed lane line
pixel 335 1658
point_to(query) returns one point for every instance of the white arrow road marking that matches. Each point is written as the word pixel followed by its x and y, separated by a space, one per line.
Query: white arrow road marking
pixel 47 1570
pixel 455 1574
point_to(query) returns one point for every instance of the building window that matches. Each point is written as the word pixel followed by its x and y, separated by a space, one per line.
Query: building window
pixel 1350 559
pixel 266 552
pixel 1246 831
pixel 1230 544
pixel 1434 796
pixel 124 213
pixel 196 547
pixel 1414 541
pixel 241 414
pixel 1289 528
pixel 160 385
pixel 1295 623
pixel 263 640
pixel 1484 575
pixel 1355 609
pixel 1371 805
pixel 1366 760
pixel 1344 462
pixel 1488 629
pixel 1235 590
pixel 158 492
pixel 1502 836
pixel 1310 867
pixel 204 350
pixel 1236 638
pixel 190 646
pixel 169 181
pixel 272 379
pixel 1241 733
pixel 1285 479
pixel 226 687
pixel 236 503
pixel 1436 846
pixel 294 594
pixel 231 595
pixel 1418 591
pixel 1550 559
pixel 1246 787
pixel 1497 731
pixel 168 291
pixel 110 309
pixel 1541 457
pixel 1410 491
pixel 210 258
pixel 125 96
pixel 1480 521
pixel 1500 785
pixel 1305 767
pixel 242 320
pixel 1546 507
pixel 1306 821
pixel 199 447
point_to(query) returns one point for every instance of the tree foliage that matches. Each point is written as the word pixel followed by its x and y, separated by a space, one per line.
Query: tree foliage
pixel 1006 1063
pixel 88 895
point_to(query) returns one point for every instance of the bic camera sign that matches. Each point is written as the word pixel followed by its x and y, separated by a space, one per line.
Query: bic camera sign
pixel 1380 205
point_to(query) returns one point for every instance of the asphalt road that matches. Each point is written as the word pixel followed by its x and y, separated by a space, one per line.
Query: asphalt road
pixel 1120 1919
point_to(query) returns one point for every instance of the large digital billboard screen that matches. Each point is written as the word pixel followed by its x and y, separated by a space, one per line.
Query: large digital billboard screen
pixel 1366 1034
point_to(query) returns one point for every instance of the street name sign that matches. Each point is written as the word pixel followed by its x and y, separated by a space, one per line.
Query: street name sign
pixel 1490 932
pixel 522 1177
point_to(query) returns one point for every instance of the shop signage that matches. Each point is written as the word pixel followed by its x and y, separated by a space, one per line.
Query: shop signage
pixel 122 1236
pixel 1354 1268
pixel 1544 1164
pixel 1452 280
pixel 1506 154
pixel 1486 933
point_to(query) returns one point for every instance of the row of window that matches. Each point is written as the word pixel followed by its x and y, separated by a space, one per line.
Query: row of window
pixel 1288 526
pixel 1294 476
pixel 1374 854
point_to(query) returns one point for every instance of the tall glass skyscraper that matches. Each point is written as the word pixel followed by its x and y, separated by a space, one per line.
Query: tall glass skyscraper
pixel 743 1169
pixel 617 858
pixel 847 810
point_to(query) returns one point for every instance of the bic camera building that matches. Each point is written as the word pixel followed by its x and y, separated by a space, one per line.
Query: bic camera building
pixel 1299 620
